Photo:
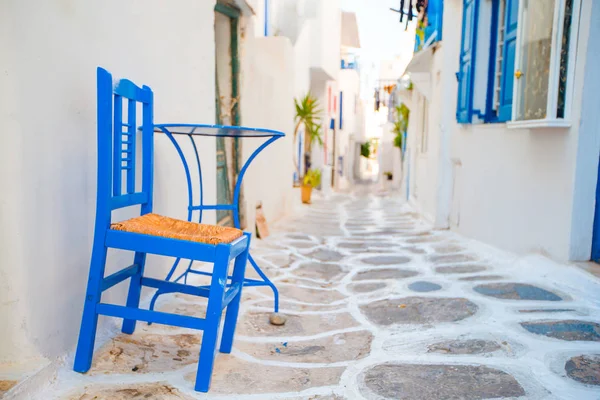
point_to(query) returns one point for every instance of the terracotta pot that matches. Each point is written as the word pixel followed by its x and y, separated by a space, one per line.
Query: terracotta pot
pixel 306 193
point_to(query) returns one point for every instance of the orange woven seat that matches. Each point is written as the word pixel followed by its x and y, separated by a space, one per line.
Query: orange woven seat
pixel 158 225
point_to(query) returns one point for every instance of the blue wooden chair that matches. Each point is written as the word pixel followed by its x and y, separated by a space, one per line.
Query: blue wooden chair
pixel 151 233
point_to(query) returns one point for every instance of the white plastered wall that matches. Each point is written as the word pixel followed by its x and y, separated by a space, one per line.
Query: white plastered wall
pixel 518 189
pixel 268 102
pixel 48 157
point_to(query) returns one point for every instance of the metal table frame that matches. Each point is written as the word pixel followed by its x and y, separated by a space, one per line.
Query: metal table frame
pixel 192 130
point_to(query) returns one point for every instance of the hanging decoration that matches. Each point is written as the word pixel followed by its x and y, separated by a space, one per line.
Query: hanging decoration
pixel 409 12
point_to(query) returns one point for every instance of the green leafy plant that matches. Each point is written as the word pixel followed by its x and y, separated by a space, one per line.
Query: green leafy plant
pixel 365 149
pixel 308 114
pixel 400 124
pixel 312 178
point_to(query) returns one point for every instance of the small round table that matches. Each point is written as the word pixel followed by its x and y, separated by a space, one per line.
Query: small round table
pixel 175 131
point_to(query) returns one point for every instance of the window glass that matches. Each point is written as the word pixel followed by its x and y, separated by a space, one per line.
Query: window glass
pixel 534 69
pixel 564 58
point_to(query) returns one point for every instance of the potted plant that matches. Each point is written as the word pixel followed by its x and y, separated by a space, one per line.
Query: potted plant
pixel 308 115
pixel 388 175
pixel 311 179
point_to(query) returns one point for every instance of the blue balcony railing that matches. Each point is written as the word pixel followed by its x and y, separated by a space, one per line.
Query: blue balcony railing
pixel 345 64
pixel 429 28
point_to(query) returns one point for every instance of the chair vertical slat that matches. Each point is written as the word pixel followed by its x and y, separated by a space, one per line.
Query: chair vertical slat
pixel 117 156
pixel 147 150
pixel 105 147
pixel 131 128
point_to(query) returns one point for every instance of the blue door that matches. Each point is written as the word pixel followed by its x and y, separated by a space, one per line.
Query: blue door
pixel 596 237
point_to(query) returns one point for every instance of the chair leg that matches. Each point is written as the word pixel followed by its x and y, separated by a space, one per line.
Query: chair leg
pixel 213 319
pixel 89 320
pixel 135 290
pixel 233 308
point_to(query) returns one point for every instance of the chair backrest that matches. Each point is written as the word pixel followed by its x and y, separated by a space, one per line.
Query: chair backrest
pixel 117 145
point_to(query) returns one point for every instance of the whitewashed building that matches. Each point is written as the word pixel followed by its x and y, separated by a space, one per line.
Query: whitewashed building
pixel 50 51
pixel 503 142
pixel 324 40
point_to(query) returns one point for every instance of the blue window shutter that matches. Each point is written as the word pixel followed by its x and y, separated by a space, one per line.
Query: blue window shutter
pixel 508 60
pixel 434 21
pixel 466 72
pixel 341 109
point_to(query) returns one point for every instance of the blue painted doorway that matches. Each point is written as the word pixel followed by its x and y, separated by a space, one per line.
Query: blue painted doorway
pixel 596 238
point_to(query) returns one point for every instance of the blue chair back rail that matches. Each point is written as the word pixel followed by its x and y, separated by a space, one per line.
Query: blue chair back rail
pixel 117 138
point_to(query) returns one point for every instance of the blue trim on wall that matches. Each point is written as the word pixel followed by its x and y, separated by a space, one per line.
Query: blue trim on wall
pixel 490 114
pixel 341 109
pixel 266 17
pixel 508 60
pixel 596 233
pixel 466 73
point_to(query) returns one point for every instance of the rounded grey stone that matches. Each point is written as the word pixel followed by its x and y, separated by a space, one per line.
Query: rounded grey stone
pixel 470 346
pixel 424 286
pixel 366 287
pixel 302 244
pixel 481 278
pixel 448 249
pixel 418 310
pixel 299 236
pixel 384 273
pixel 316 270
pixel 326 255
pixel 460 269
pixel 432 382
pixel 352 245
pixel 516 291
pixel 569 330
pixel 386 260
pixel 584 369
pixel 452 258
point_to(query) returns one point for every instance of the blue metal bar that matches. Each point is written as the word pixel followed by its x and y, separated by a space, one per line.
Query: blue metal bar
pixel 199 175
pixel 119 276
pixel 185 166
pixel 253 282
pixel 215 207
pixel 137 314
pixel 267 281
pixel 247 281
pixel 240 178
pixel 172 287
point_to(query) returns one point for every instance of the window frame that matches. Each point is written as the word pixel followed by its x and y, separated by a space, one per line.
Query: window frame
pixel 551 119
pixel 492 115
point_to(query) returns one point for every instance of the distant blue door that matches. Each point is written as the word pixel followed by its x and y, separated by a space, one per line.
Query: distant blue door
pixel 596 237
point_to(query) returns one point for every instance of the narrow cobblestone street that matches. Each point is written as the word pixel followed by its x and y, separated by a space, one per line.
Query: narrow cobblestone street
pixel 379 306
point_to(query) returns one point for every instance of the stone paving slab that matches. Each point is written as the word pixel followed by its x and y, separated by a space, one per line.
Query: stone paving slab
pixel 154 391
pixel 378 306
pixel 256 324
pixel 584 369
pixel 432 382
pixel 418 310
pixel 336 348
pixel 234 376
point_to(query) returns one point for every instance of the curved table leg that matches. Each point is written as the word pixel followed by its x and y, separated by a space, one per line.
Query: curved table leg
pixel 267 282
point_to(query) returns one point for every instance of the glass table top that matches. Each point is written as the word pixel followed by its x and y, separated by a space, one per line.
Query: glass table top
pixel 216 130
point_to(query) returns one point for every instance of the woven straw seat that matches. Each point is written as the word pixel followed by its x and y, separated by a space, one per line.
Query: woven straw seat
pixel 158 225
